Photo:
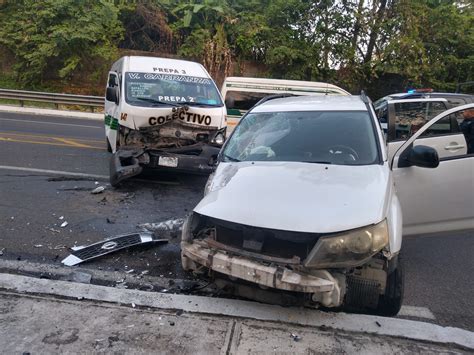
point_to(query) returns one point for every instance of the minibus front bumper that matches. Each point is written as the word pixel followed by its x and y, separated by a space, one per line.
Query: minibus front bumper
pixel 199 158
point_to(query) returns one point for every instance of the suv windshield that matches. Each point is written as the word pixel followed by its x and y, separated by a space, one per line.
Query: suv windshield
pixel 334 137
pixel 151 89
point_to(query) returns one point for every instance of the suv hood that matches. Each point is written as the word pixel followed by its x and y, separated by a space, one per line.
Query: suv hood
pixel 293 196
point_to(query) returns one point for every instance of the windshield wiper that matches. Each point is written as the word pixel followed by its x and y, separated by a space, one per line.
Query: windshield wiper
pixel 317 161
pixel 193 103
pixel 149 99
pixel 231 158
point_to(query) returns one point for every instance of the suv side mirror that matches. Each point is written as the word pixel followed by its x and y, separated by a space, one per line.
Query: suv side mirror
pixel 419 155
pixel 112 94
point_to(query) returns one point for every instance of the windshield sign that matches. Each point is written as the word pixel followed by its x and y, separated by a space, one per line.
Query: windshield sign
pixel 155 89
pixel 336 137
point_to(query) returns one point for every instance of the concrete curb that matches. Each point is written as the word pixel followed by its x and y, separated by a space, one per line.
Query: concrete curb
pixel 51 112
pixel 374 325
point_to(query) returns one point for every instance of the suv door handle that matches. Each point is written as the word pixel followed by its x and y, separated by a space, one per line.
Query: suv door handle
pixel 454 147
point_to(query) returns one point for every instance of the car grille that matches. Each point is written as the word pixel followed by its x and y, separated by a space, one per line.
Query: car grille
pixel 270 242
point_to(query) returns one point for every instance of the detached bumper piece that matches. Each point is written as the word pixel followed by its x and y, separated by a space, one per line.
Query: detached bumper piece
pixel 269 276
pixel 88 252
pixel 125 164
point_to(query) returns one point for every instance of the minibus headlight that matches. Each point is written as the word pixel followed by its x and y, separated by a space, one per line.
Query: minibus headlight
pixel 219 139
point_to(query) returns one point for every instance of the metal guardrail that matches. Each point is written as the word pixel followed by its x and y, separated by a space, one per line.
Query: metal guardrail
pixel 56 99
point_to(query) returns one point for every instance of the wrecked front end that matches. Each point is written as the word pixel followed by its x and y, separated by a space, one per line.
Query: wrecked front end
pixel 174 146
pixel 307 264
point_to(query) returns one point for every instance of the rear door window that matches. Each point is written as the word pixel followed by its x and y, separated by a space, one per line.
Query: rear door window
pixel 239 102
pixel 411 116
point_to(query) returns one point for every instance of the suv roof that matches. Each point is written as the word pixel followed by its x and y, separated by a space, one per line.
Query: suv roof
pixel 313 103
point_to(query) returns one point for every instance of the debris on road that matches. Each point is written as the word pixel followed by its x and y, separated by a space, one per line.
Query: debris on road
pixel 171 225
pixel 64 224
pixel 88 252
pixel 98 190
pixel 295 337
pixel 59 247
pixel 78 276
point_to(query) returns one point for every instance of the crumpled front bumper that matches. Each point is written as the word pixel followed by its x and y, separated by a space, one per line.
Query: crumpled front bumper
pixel 197 158
pixel 277 277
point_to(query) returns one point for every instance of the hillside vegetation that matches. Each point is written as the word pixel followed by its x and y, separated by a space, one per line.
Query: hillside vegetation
pixel 378 45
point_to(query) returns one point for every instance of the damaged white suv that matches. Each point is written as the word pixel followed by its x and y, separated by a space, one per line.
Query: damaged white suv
pixel 303 200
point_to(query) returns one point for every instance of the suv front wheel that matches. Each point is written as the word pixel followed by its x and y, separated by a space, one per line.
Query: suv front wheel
pixel 391 301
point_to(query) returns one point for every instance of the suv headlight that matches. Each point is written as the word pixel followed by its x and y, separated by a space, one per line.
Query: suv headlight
pixel 348 249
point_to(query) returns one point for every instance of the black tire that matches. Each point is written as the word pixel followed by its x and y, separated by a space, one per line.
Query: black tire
pixel 109 148
pixel 391 302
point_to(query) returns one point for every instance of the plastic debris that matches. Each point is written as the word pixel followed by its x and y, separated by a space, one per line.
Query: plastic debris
pixel 1 251
pixel 54 230
pixel 295 337
pixel 98 190
pixel 38 245
pixel 133 305
pixel 78 276
pixel 64 224
pixel 171 225
pixel 61 218
pixel 144 272
pixel 378 324
pixel 129 271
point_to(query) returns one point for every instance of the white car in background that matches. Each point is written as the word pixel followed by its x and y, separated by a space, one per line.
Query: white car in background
pixel 305 199
pixel 242 93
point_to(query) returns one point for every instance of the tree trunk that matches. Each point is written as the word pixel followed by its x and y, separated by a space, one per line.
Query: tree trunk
pixel 379 17
pixel 356 32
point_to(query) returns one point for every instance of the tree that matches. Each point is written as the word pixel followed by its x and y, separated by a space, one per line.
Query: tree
pixel 58 37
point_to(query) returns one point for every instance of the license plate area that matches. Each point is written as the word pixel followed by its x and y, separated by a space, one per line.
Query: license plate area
pixel 171 162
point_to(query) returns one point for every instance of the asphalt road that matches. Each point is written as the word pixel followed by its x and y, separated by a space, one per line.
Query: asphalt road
pixel 438 269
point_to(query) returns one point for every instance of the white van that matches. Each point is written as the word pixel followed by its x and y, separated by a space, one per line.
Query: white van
pixel 241 93
pixel 162 113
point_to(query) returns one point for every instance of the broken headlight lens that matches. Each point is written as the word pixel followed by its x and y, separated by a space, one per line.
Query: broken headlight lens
pixel 219 139
pixel 348 249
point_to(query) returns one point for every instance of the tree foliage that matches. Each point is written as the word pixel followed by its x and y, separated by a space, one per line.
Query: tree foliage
pixel 58 36
pixel 354 43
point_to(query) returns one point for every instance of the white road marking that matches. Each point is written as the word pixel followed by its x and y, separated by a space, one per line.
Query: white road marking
pixel 51 123
pixel 54 172
pixel 418 312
